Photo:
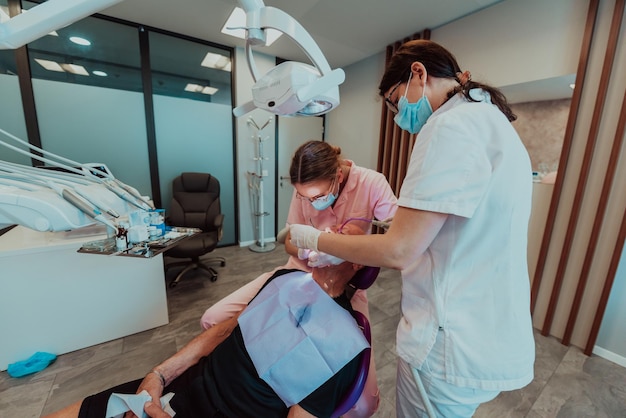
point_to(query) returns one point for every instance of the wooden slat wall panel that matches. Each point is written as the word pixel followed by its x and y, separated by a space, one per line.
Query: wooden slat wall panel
pixel 565 151
pixel 395 145
pixel 607 186
pixel 606 289
pixel 584 234
pixel 585 167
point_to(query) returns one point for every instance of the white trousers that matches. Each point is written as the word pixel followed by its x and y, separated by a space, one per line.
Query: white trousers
pixel 419 394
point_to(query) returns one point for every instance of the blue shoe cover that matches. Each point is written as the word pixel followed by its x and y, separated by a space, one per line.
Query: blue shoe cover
pixel 36 363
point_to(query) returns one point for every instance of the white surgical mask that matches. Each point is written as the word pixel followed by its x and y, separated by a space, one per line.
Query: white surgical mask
pixel 324 202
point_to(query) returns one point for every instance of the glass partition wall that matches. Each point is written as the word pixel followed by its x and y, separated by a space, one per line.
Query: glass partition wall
pixel 11 111
pixel 191 90
pixel 146 103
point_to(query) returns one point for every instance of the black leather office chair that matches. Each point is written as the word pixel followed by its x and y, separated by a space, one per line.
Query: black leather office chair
pixel 196 204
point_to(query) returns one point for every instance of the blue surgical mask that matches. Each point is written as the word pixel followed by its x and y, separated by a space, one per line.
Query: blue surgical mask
pixel 412 116
pixel 324 202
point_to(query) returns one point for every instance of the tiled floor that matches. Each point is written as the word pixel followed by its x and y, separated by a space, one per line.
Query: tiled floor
pixel 567 383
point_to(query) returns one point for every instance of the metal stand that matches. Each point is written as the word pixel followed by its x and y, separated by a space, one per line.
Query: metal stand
pixel 257 179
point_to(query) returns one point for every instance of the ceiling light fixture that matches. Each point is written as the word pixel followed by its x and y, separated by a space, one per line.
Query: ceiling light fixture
pixel 75 69
pixel 196 88
pixel 46 17
pixel 99 73
pixel 80 41
pixel 217 61
pixel 290 88
pixel 62 68
pixel 50 65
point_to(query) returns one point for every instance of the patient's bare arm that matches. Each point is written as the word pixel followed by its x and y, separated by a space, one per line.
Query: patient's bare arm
pixel 297 411
pixel 190 354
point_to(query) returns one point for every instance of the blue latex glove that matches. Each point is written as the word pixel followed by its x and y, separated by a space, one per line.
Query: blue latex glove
pixel 35 363
pixel 304 236
pixel 320 259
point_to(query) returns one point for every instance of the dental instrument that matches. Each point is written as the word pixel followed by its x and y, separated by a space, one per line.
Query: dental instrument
pixel 381 224
pixel 48 200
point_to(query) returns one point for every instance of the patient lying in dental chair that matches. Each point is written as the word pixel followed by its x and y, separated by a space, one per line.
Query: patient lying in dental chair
pixel 292 352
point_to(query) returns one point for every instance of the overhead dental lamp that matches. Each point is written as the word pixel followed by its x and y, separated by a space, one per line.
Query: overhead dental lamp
pixel 45 18
pixel 290 88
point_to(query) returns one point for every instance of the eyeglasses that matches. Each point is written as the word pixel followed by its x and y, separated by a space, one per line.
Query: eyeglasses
pixel 393 106
pixel 320 196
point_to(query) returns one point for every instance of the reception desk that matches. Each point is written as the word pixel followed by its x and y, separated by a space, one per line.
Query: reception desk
pixel 57 300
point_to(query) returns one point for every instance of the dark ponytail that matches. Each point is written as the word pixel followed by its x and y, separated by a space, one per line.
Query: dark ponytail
pixel 439 62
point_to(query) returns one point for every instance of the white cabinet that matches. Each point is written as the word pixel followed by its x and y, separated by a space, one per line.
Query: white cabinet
pixel 57 300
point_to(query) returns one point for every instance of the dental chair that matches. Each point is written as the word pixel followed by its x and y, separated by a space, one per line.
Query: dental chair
pixel 363 279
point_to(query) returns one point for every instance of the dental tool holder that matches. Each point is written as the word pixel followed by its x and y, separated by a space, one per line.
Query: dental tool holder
pixel 78 195
pixel 256 184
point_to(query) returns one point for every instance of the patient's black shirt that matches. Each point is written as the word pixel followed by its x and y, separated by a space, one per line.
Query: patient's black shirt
pixel 226 384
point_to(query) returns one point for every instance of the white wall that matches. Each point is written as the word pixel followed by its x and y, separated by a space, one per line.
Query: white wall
pixel 517 41
pixel 355 124
pixel 536 39
pixel 611 340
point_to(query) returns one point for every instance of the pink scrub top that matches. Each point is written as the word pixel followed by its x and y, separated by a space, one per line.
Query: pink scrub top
pixel 367 194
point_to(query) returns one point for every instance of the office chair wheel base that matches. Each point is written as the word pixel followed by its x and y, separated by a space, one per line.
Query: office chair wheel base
pixel 213 278
pixel 223 263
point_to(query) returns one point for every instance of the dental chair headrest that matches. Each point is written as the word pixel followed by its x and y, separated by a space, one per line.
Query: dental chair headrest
pixel 365 277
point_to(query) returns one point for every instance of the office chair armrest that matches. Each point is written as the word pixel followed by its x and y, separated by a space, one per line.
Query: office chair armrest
pixel 219 221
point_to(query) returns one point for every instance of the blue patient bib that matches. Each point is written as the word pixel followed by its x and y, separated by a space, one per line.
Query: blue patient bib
pixel 297 336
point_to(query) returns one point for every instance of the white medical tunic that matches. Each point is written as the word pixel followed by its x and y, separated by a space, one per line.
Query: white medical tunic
pixel 472 283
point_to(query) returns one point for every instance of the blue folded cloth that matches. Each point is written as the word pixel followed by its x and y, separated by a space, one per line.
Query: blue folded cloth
pixel 35 363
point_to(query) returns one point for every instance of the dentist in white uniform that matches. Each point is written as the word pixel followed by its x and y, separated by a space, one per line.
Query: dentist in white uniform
pixel 459 237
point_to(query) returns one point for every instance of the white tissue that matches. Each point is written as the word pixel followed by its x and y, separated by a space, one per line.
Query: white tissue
pixel 120 403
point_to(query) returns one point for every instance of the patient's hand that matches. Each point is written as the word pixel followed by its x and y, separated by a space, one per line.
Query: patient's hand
pixel 154 410
pixel 151 384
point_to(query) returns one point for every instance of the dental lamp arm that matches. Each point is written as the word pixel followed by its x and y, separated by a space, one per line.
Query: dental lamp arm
pixel 262 17
pixel 247 107
pixel 45 18
pixel 281 90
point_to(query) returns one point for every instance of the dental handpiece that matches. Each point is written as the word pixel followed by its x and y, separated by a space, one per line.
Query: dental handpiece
pixel 123 194
pixel 87 208
pixel 134 193
pixel 381 224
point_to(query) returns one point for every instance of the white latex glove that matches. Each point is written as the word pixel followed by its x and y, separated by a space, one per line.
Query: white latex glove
pixel 320 259
pixel 303 253
pixel 304 236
